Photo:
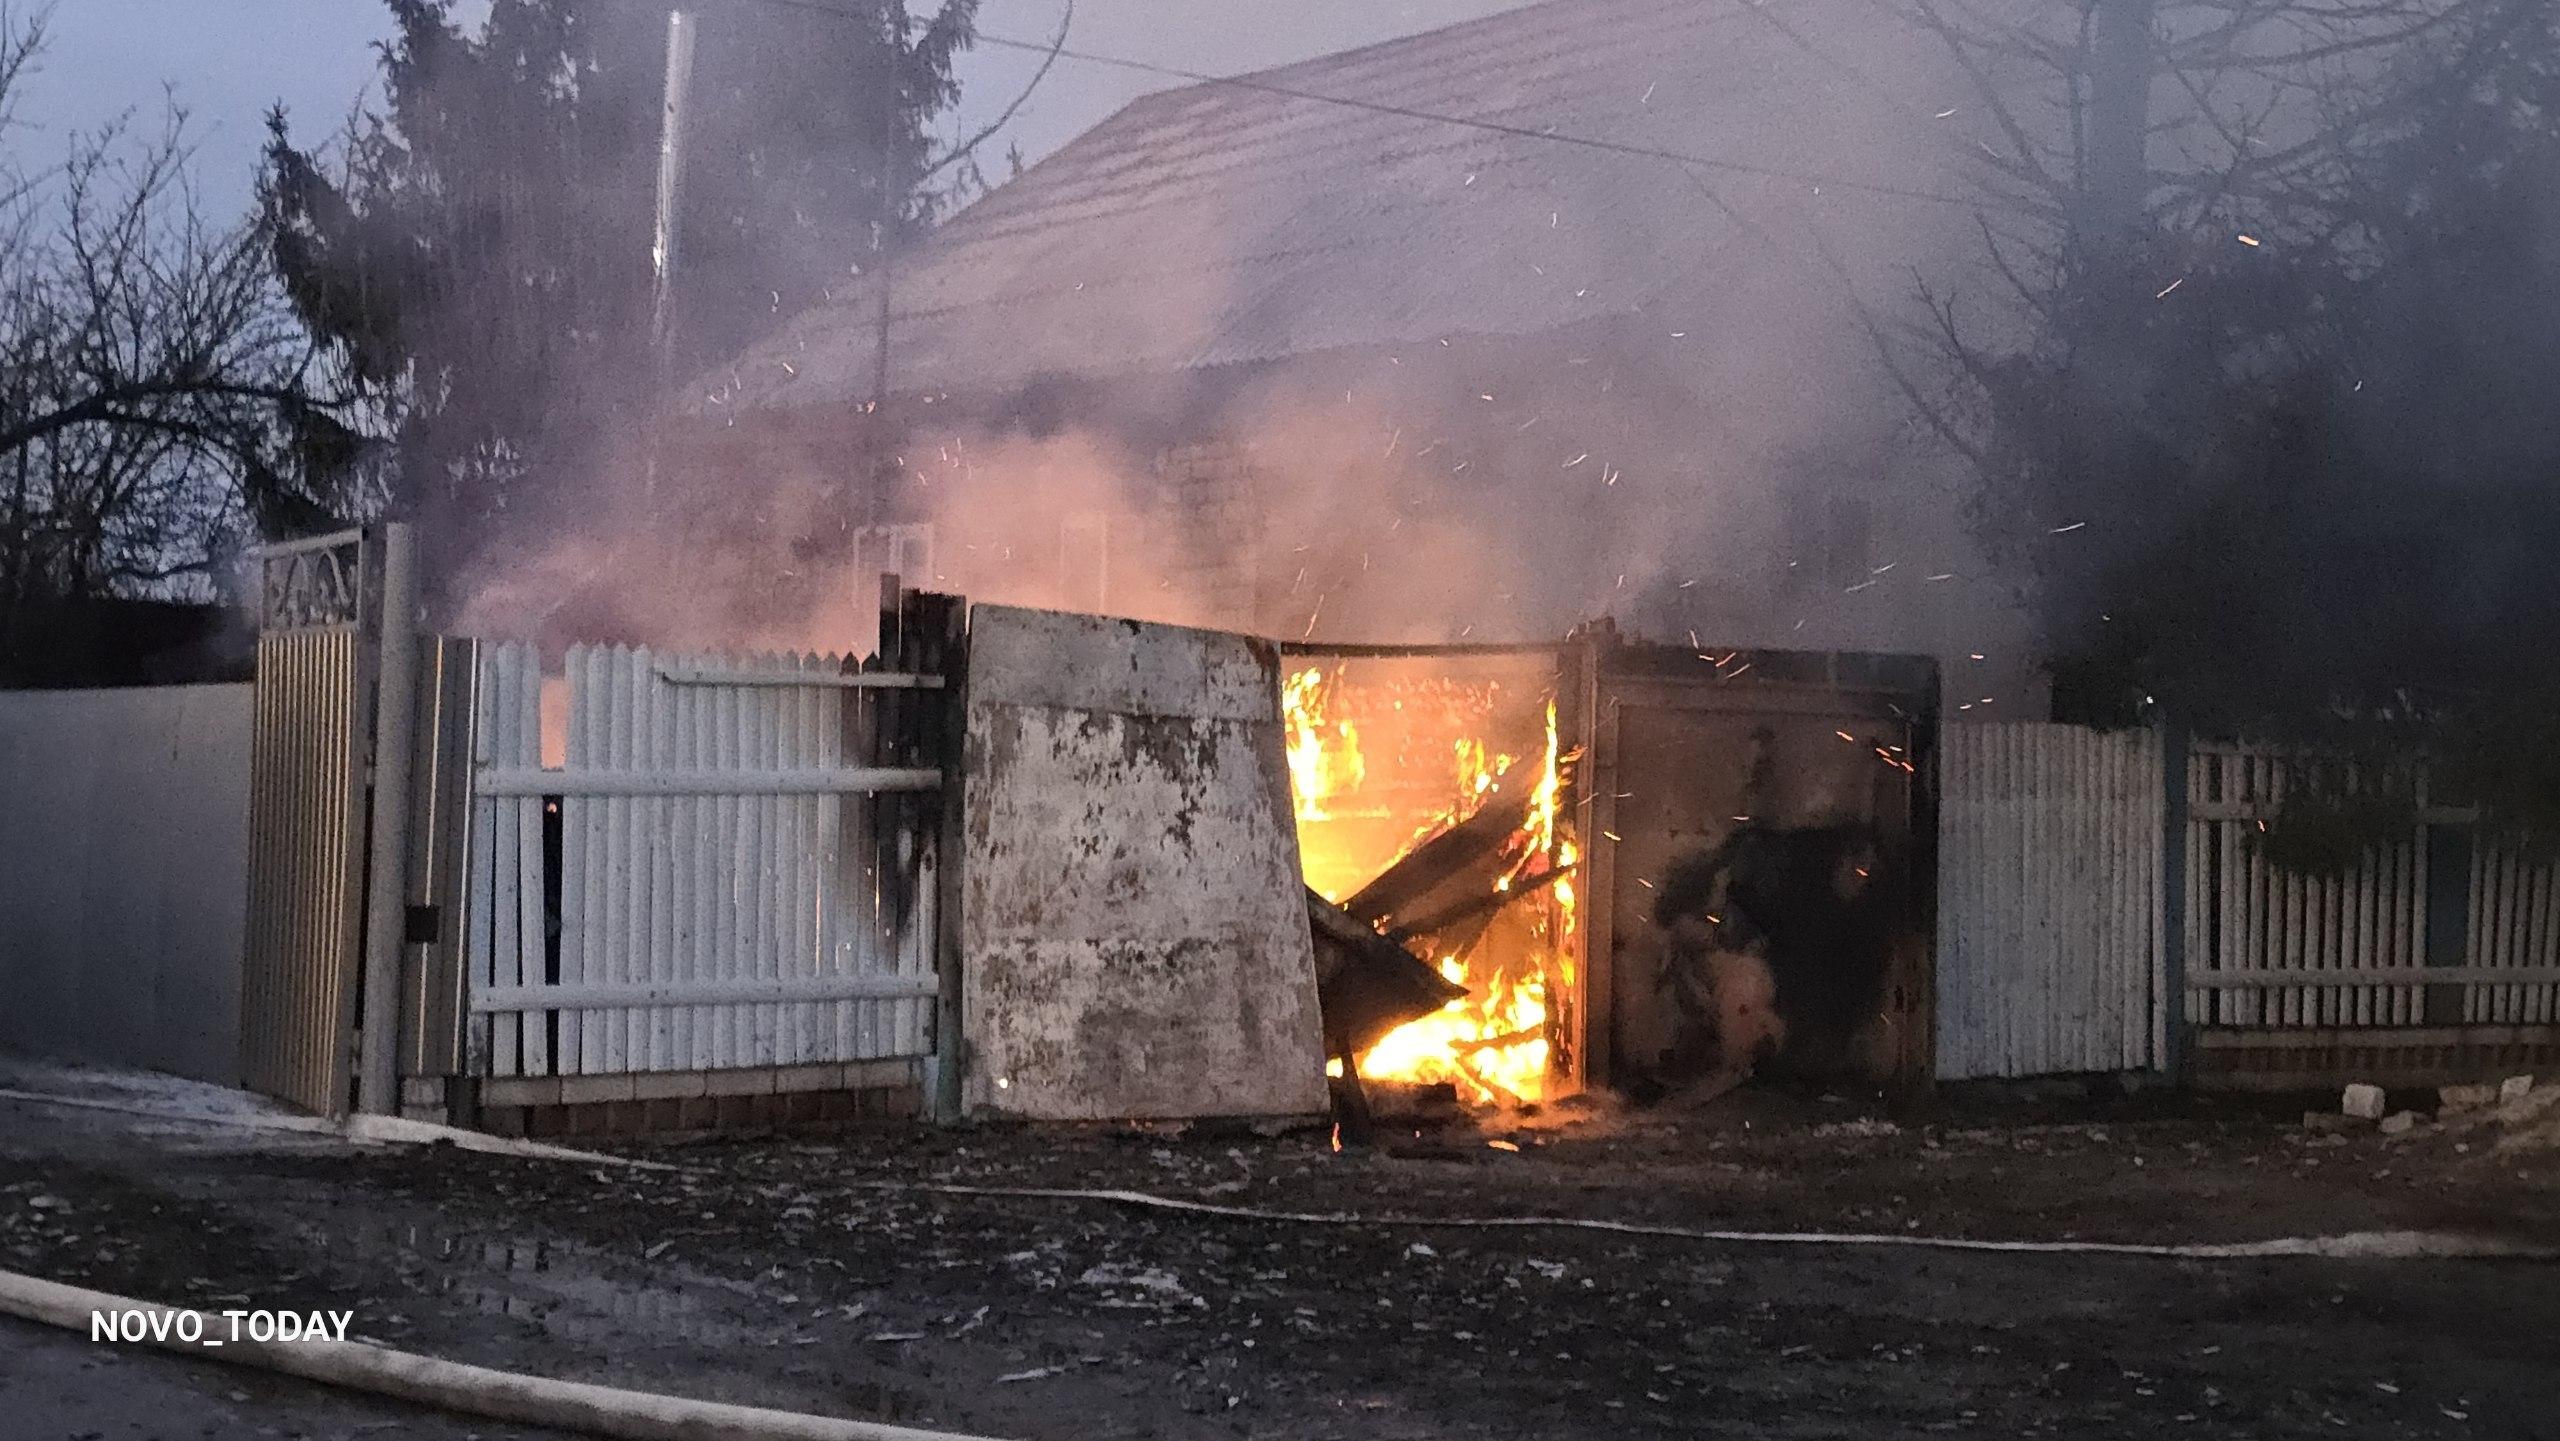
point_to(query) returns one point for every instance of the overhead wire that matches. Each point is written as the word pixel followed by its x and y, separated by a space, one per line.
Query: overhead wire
pixel 1407 112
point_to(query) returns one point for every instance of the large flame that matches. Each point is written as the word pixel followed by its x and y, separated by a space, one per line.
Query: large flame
pixel 1494 1046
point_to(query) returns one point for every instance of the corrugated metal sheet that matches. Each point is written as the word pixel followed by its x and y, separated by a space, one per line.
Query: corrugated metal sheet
pixel 306 867
pixel 1220 224
pixel 2051 908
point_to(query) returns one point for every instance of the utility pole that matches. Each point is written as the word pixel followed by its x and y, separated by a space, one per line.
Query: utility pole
pixel 2116 178
pixel 671 136
pixel 662 247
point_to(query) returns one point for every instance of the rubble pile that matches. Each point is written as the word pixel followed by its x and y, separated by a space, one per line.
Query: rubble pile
pixel 2524 1116
pixel 2528 1117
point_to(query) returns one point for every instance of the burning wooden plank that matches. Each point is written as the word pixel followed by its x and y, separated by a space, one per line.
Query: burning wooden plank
pixel 1366 986
pixel 1457 866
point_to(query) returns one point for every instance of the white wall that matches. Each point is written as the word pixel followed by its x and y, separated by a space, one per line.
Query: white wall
pixel 124 842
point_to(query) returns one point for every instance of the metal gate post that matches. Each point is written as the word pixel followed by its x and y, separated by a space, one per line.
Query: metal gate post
pixel 948 617
pixel 2171 1057
pixel 387 869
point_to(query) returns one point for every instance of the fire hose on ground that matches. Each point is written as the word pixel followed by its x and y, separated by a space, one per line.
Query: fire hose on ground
pixel 645 1416
pixel 454 1386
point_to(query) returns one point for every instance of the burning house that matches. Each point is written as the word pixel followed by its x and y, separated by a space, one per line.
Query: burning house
pixel 1352 353
pixel 1357 350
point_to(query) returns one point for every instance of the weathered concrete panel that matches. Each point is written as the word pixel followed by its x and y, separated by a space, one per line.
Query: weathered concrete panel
pixel 124 844
pixel 1133 933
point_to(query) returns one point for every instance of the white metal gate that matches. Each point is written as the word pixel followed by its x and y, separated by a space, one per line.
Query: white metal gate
pixel 2065 912
pixel 311 751
pixel 723 862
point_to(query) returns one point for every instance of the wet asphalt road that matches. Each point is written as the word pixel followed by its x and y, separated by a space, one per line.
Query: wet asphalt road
pixel 55 1386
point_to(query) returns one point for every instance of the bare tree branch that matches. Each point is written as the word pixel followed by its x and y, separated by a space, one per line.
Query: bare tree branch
pixel 153 387
pixel 965 148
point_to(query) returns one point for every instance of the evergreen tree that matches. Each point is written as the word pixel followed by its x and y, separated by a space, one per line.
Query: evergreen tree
pixel 2278 463
pixel 478 256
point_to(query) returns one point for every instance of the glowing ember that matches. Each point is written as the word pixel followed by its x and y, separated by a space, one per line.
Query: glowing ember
pixel 1435 766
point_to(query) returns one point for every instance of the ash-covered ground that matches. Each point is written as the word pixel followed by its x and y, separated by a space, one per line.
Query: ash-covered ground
pixel 814 1273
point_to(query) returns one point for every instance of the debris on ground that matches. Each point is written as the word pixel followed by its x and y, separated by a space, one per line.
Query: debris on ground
pixel 2399 1123
pixel 1865 1127
pixel 2480 1097
pixel 2362 1102
pixel 2531 1120
pixel 850 1275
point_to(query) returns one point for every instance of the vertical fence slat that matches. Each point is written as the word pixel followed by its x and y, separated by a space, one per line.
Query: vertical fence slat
pixel 580 1045
pixel 678 705
pixel 651 743
pixel 532 947
pixel 715 1044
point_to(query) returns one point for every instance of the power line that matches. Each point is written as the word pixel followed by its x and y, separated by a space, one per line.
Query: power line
pixel 1376 107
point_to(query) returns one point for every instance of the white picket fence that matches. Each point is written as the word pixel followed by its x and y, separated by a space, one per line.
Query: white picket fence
pixel 2248 920
pixel 2515 925
pixel 715 874
pixel 2054 919
pixel 2051 909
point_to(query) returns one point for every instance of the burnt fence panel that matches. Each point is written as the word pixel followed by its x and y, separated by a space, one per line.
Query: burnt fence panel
pixel 697 862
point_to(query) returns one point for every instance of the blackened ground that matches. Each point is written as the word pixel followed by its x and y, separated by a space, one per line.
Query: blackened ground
pixel 798 1273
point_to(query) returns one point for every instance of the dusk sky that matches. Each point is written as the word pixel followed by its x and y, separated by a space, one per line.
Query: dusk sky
pixel 226 61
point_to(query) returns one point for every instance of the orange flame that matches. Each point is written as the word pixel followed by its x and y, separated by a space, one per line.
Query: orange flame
pixel 1494 1046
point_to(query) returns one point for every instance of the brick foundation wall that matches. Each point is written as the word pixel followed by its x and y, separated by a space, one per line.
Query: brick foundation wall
pixel 694 1115
pixel 2238 1060
pixel 767 1098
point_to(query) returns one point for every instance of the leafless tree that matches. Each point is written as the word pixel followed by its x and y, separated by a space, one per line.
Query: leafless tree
pixel 158 402
pixel 2257 425
pixel 2148 157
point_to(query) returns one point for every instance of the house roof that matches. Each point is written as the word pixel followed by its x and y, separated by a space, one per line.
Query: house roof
pixel 1225 223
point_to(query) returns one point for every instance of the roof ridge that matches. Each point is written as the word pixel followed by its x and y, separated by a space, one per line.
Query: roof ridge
pixel 1024 190
pixel 1540 10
